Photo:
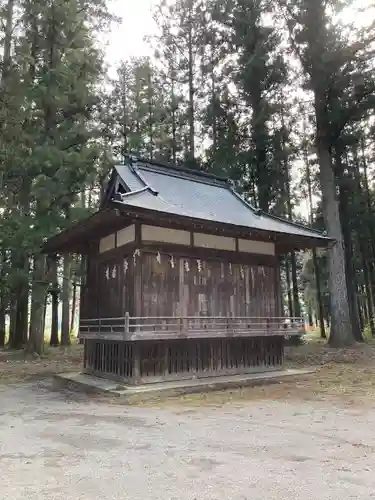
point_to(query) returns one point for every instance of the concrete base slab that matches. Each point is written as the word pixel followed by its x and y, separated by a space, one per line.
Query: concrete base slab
pixel 146 392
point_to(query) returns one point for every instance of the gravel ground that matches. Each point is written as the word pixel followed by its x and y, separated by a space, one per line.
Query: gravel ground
pixel 56 446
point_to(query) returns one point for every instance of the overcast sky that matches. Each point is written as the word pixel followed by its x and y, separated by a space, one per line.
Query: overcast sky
pixel 126 39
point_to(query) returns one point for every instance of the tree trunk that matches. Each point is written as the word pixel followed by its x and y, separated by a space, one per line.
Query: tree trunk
pixel 348 248
pixel 21 301
pixel 7 29
pixel 150 114
pixel 124 117
pixel 328 318
pixel 173 118
pixel 368 291
pixel 8 33
pixel 191 115
pixel 54 341
pixel 319 297
pixel 364 238
pixel 2 323
pixel 360 314
pixel 44 314
pixel 39 290
pixel 22 314
pixel 288 285
pixel 341 329
pixel 366 313
pixel 3 299
pixel 315 33
pixel 370 212
pixel 314 254
pixel 296 339
pixel 213 104
pixel 12 321
pixel 296 303
pixel 352 294
pixel 65 323
pixel 310 317
pixel 74 307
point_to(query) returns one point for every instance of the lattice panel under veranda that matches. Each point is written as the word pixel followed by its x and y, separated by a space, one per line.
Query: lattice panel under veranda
pixel 209 357
pixel 182 358
pixel 109 357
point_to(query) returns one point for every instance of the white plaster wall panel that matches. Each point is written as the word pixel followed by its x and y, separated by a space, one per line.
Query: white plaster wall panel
pixel 216 242
pixel 126 235
pixel 107 243
pixel 256 247
pixel 165 235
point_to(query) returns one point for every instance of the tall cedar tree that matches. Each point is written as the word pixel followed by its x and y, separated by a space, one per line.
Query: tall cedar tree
pixel 331 65
pixel 180 43
pixel 260 73
pixel 59 96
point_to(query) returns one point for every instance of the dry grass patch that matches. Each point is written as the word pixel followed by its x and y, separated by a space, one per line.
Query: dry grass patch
pixel 344 376
pixel 17 366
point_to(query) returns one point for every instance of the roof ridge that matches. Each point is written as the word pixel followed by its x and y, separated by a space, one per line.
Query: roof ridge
pixel 137 167
pixel 142 180
pixel 176 168
pixel 259 212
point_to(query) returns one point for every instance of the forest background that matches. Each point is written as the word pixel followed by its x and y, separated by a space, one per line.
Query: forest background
pixel 277 95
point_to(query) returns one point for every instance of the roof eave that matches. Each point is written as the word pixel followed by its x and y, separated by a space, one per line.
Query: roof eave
pixel 289 241
pixel 76 239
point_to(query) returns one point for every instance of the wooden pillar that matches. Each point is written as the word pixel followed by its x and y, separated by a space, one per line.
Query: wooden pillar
pixel 85 354
pixel 137 272
pixel 136 362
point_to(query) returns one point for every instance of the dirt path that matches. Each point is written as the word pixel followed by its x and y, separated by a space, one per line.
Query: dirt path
pixel 53 446
pixel 312 439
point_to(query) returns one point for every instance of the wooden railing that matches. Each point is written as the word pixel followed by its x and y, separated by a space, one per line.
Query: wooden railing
pixel 148 328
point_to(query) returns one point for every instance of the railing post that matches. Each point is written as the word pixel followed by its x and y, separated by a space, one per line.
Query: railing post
pixel 126 326
pixel 230 331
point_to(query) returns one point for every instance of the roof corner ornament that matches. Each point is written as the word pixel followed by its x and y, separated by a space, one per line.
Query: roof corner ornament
pixel 131 158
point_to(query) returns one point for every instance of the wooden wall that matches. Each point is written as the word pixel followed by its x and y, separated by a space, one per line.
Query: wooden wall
pixel 177 286
pixel 108 291
pixel 157 284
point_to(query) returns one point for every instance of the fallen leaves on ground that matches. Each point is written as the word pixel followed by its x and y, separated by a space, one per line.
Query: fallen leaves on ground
pixel 343 375
pixel 17 366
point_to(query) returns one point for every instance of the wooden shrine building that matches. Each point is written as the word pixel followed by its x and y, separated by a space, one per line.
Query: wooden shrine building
pixel 182 277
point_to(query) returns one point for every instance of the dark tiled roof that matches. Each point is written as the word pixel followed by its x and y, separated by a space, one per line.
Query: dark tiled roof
pixel 190 193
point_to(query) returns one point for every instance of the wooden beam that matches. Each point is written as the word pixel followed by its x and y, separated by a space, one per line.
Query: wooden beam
pixel 211 254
